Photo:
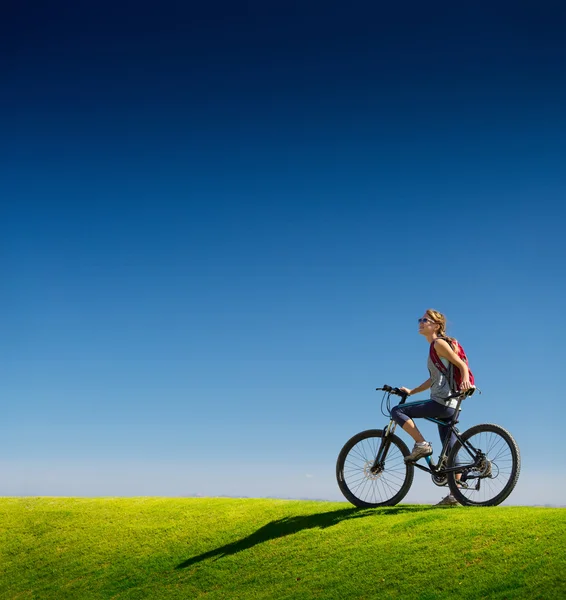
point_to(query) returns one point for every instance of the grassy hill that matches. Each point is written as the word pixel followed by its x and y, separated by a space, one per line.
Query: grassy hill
pixel 230 549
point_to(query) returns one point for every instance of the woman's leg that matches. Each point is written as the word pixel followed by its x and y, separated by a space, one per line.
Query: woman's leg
pixel 403 415
pixel 444 431
pixel 410 427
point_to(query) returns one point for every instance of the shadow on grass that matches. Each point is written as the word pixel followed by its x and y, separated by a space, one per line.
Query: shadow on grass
pixel 290 525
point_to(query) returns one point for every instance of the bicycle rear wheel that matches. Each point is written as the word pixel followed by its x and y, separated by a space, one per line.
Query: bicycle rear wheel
pixel 388 485
pixel 490 482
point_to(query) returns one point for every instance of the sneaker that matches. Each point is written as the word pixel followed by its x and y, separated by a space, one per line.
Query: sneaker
pixel 448 501
pixel 419 451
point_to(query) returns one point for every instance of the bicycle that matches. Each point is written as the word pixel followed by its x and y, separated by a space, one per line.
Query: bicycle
pixel 481 468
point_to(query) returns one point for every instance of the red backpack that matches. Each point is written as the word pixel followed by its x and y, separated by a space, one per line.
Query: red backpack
pixel 452 373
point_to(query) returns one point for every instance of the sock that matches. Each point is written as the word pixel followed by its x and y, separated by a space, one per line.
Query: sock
pixel 422 444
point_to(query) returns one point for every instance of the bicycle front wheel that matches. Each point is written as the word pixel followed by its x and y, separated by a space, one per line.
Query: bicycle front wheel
pixel 366 487
pixel 491 481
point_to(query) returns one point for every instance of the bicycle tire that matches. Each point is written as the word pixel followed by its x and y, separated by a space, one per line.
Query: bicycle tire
pixel 364 489
pixel 494 480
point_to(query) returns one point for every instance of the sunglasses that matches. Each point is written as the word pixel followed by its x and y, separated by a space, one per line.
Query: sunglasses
pixel 425 321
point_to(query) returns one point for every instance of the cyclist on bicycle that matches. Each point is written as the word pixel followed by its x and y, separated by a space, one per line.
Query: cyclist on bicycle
pixel 440 405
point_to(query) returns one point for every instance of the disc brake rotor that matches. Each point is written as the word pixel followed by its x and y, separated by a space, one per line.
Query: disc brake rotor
pixel 368 472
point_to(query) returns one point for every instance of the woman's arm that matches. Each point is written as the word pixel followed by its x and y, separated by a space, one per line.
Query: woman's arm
pixel 444 350
pixel 421 388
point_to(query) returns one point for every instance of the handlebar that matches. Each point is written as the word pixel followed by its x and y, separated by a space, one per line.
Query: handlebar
pixel 392 390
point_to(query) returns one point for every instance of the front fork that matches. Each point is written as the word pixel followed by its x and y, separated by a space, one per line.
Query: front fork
pixel 383 447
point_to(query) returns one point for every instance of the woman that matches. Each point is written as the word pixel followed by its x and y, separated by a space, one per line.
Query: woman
pixel 441 406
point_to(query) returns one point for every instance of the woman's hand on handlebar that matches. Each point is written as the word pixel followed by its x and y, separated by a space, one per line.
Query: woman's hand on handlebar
pixel 405 390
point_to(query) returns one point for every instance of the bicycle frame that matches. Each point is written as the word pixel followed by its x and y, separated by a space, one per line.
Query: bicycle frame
pixel 475 454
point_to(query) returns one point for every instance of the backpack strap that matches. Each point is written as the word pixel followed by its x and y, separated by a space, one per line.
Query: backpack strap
pixel 447 372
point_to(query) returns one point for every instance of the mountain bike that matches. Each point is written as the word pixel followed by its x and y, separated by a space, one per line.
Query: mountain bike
pixel 481 468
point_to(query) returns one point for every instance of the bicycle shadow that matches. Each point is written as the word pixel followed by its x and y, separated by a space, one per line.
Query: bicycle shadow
pixel 291 525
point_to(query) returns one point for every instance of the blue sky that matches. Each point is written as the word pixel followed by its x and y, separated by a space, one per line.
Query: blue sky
pixel 220 224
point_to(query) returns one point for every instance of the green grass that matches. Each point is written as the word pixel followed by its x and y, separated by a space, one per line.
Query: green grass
pixel 229 549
